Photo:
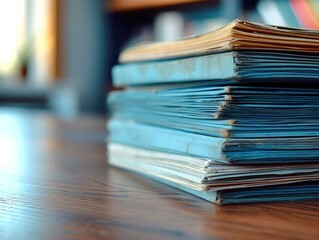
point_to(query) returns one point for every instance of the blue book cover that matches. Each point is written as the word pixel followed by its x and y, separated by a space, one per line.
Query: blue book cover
pixel 271 150
pixel 229 112
pixel 232 67
pixel 220 183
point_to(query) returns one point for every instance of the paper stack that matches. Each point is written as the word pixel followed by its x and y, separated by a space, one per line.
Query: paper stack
pixel 231 116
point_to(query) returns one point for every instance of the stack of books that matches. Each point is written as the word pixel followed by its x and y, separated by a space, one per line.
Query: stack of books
pixel 231 116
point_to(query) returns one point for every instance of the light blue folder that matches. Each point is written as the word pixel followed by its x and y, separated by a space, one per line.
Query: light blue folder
pixel 220 183
pixel 222 68
pixel 230 112
pixel 239 151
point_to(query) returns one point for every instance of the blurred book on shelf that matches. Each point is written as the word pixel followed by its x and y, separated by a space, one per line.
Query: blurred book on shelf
pixel 291 13
pixel 304 13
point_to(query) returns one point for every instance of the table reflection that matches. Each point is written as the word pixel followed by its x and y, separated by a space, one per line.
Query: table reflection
pixel 13 148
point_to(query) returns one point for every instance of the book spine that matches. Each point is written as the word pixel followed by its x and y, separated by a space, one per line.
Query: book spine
pixel 166 140
pixel 314 7
pixel 270 13
pixel 210 67
pixel 304 14
pixel 287 13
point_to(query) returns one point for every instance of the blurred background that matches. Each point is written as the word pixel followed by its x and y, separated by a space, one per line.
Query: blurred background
pixel 57 55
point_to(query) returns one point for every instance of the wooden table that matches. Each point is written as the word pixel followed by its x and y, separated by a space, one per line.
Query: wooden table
pixel 55 184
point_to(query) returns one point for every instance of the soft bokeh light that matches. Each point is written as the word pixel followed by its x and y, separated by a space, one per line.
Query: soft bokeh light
pixel 43 36
pixel 12 32
pixel 13 149
pixel 9 160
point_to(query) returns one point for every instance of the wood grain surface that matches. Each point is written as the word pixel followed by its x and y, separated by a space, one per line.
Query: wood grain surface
pixel 55 184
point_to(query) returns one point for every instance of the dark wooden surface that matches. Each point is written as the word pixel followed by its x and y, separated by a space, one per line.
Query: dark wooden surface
pixel 55 184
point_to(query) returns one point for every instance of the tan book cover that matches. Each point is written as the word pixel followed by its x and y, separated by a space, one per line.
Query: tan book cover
pixel 237 35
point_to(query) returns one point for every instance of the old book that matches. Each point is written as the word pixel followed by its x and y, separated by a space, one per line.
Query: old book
pixel 210 114
pixel 271 150
pixel 224 111
pixel 220 183
pixel 237 35
pixel 223 68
